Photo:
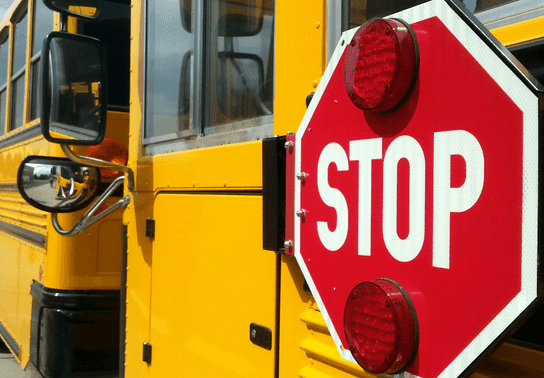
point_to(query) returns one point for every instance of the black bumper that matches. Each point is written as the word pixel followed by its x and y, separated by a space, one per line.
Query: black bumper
pixel 74 332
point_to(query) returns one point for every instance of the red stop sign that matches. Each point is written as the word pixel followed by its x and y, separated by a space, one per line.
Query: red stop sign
pixel 439 196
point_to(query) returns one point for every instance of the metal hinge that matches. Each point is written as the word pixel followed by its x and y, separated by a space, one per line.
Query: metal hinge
pixel 146 355
pixel 150 228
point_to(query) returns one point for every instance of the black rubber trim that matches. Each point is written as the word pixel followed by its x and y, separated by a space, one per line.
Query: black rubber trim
pixel 23 233
pixel 75 299
pixel 274 193
pixel 493 43
pixel 118 108
pixel 9 340
pixel 123 302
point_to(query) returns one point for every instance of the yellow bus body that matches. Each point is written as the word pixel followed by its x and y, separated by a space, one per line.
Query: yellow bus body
pixel 195 285
pixel 190 289
pixel 31 250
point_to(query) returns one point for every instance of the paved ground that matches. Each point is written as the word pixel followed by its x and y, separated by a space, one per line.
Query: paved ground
pixel 10 368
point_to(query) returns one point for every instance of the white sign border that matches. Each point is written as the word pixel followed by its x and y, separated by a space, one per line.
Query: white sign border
pixel 528 103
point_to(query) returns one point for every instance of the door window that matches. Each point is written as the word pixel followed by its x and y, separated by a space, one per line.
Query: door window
pixel 209 73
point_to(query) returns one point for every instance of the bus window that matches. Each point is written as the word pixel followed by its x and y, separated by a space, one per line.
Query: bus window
pixel 209 73
pixel 358 12
pixel 530 55
pixel 18 70
pixel 4 55
pixel 113 29
pixel 476 6
pixel 238 83
pixel 170 46
pixel 43 24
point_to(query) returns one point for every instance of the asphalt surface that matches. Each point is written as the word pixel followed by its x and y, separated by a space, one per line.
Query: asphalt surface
pixel 10 368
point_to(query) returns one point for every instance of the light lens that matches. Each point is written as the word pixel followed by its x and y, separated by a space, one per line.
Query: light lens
pixel 381 65
pixel 381 327
pixel 109 150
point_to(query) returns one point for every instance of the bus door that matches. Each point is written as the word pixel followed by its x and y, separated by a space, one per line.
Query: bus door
pixel 208 103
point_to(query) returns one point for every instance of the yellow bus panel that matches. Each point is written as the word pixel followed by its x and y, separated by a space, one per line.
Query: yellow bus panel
pixel 210 281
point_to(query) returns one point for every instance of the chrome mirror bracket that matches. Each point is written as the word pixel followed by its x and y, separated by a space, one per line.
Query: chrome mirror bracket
pixel 99 164
pixel 90 218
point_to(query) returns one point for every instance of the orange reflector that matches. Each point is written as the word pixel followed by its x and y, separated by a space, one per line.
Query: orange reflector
pixel 109 150
pixel 381 327
pixel 381 66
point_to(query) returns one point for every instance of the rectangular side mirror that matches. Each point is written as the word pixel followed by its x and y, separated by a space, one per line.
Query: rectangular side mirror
pixel 74 89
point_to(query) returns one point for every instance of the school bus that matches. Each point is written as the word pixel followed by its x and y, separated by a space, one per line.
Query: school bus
pixel 56 292
pixel 197 250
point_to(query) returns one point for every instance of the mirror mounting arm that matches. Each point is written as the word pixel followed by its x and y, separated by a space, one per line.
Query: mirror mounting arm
pixel 89 218
pixel 99 164
pixel 63 22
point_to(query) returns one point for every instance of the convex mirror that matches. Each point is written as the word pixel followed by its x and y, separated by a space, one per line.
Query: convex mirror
pixel 89 9
pixel 74 89
pixel 57 185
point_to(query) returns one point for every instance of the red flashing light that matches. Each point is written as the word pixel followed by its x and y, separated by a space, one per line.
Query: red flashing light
pixel 381 327
pixel 381 66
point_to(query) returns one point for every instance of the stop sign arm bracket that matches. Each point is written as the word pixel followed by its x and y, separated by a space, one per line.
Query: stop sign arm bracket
pixel 273 175
pixel 290 146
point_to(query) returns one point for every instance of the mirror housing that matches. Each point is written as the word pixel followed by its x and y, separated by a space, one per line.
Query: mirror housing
pixel 57 185
pixel 74 89
pixel 87 9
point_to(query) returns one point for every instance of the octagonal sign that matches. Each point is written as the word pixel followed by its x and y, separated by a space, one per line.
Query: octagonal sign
pixel 439 196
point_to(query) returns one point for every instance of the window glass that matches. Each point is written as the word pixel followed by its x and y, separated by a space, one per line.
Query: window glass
pixel 18 102
pixel 43 25
pixel 18 76
pixel 210 75
pixel 4 55
pixel 113 29
pixel 19 52
pixel 476 6
pixel 169 68
pixel 2 112
pixel 361 11
pixel 4 51
pixel 241 70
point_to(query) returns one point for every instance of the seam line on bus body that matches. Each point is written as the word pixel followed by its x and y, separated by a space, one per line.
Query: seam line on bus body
pixel 23 233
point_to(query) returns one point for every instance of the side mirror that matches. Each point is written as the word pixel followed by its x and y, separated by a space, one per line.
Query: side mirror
pixel 74 89
pixel 57 185
pixel 89 9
